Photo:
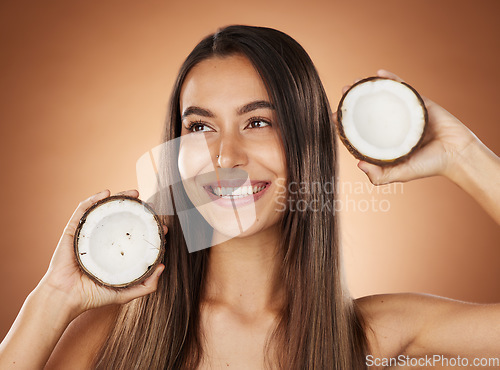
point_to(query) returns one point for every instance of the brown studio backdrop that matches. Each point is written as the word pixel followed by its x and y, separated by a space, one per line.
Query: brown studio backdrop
pixel 84 93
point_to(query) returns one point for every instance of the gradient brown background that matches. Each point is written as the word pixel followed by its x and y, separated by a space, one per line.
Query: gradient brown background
pixel 84 91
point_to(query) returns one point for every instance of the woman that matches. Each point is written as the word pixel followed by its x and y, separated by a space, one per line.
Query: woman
pixel 270 295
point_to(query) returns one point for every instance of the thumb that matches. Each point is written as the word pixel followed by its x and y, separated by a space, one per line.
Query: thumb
pixel 380 175
pixel 146 287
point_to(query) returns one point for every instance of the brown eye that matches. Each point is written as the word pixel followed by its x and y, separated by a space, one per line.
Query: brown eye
pixel 197 127
pixel 258 123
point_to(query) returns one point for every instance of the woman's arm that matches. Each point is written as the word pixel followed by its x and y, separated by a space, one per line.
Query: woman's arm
pixel 62 295
pixel 450 149
pixel 42 320
pixel 426 326
pixel 418 325
pixel 477 171
pixel 83 339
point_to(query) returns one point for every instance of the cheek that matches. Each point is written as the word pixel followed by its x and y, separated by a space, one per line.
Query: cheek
pixel 186 167
pixel 271 153
pixel 194 156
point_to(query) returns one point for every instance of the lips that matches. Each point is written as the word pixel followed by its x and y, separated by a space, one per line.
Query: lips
pixel 235 183
pixel 235 187
pixel 221 192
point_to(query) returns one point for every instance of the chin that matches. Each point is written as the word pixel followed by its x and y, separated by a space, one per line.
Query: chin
pixel 222 234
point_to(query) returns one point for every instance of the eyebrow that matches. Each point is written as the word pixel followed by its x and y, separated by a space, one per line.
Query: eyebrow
pixel 247 108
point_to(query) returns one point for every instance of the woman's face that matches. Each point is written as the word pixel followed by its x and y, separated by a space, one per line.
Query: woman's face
pixel 226 112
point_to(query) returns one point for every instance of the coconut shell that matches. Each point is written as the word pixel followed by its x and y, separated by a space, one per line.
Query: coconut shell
pixel 151 268
pixel 368 159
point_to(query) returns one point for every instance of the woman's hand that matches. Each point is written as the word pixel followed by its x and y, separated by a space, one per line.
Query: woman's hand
pixel 63 293
pixel 82 293
pixel 450 149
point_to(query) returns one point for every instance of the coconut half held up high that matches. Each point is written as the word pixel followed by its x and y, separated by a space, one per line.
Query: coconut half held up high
pixel 381 121
pixel 119 241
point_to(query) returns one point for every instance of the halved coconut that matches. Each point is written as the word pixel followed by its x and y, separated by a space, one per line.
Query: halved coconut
pixel 381 121
pixel 119 241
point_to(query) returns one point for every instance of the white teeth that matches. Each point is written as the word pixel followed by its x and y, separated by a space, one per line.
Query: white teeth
pixel 237 192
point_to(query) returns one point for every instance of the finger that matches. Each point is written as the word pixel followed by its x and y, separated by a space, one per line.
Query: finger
pixel 81 209
pixel 379 175
pixel 428 102
pixel 165 229
pixel 148 286
pixel 345 88
pixel 131 193
pixel 388 74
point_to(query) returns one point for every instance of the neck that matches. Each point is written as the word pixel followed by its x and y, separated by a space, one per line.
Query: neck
pixel 242 271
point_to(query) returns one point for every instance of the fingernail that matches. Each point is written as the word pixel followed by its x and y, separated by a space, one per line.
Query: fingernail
pixel 100 193
pixel 159 273
pixel 361 166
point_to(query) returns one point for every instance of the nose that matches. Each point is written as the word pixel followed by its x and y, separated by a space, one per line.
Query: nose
pixel 231 151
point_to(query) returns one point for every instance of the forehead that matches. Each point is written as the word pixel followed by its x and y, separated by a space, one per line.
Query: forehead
pixel 231 80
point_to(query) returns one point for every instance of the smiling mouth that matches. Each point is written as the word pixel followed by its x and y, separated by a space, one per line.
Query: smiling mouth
pixel 236 192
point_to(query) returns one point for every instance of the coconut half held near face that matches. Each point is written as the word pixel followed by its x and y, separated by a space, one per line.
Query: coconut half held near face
pixel 119 241
pixel 381 121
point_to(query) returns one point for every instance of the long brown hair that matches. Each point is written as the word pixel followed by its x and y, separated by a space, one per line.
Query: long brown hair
pixel 319 326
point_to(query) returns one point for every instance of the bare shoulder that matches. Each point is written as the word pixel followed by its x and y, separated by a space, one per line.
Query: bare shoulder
pixel 403 323
pixel 82 339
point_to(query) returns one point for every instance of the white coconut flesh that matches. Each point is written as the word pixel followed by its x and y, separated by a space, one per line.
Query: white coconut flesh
pixel 118 241
pixel 382 119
